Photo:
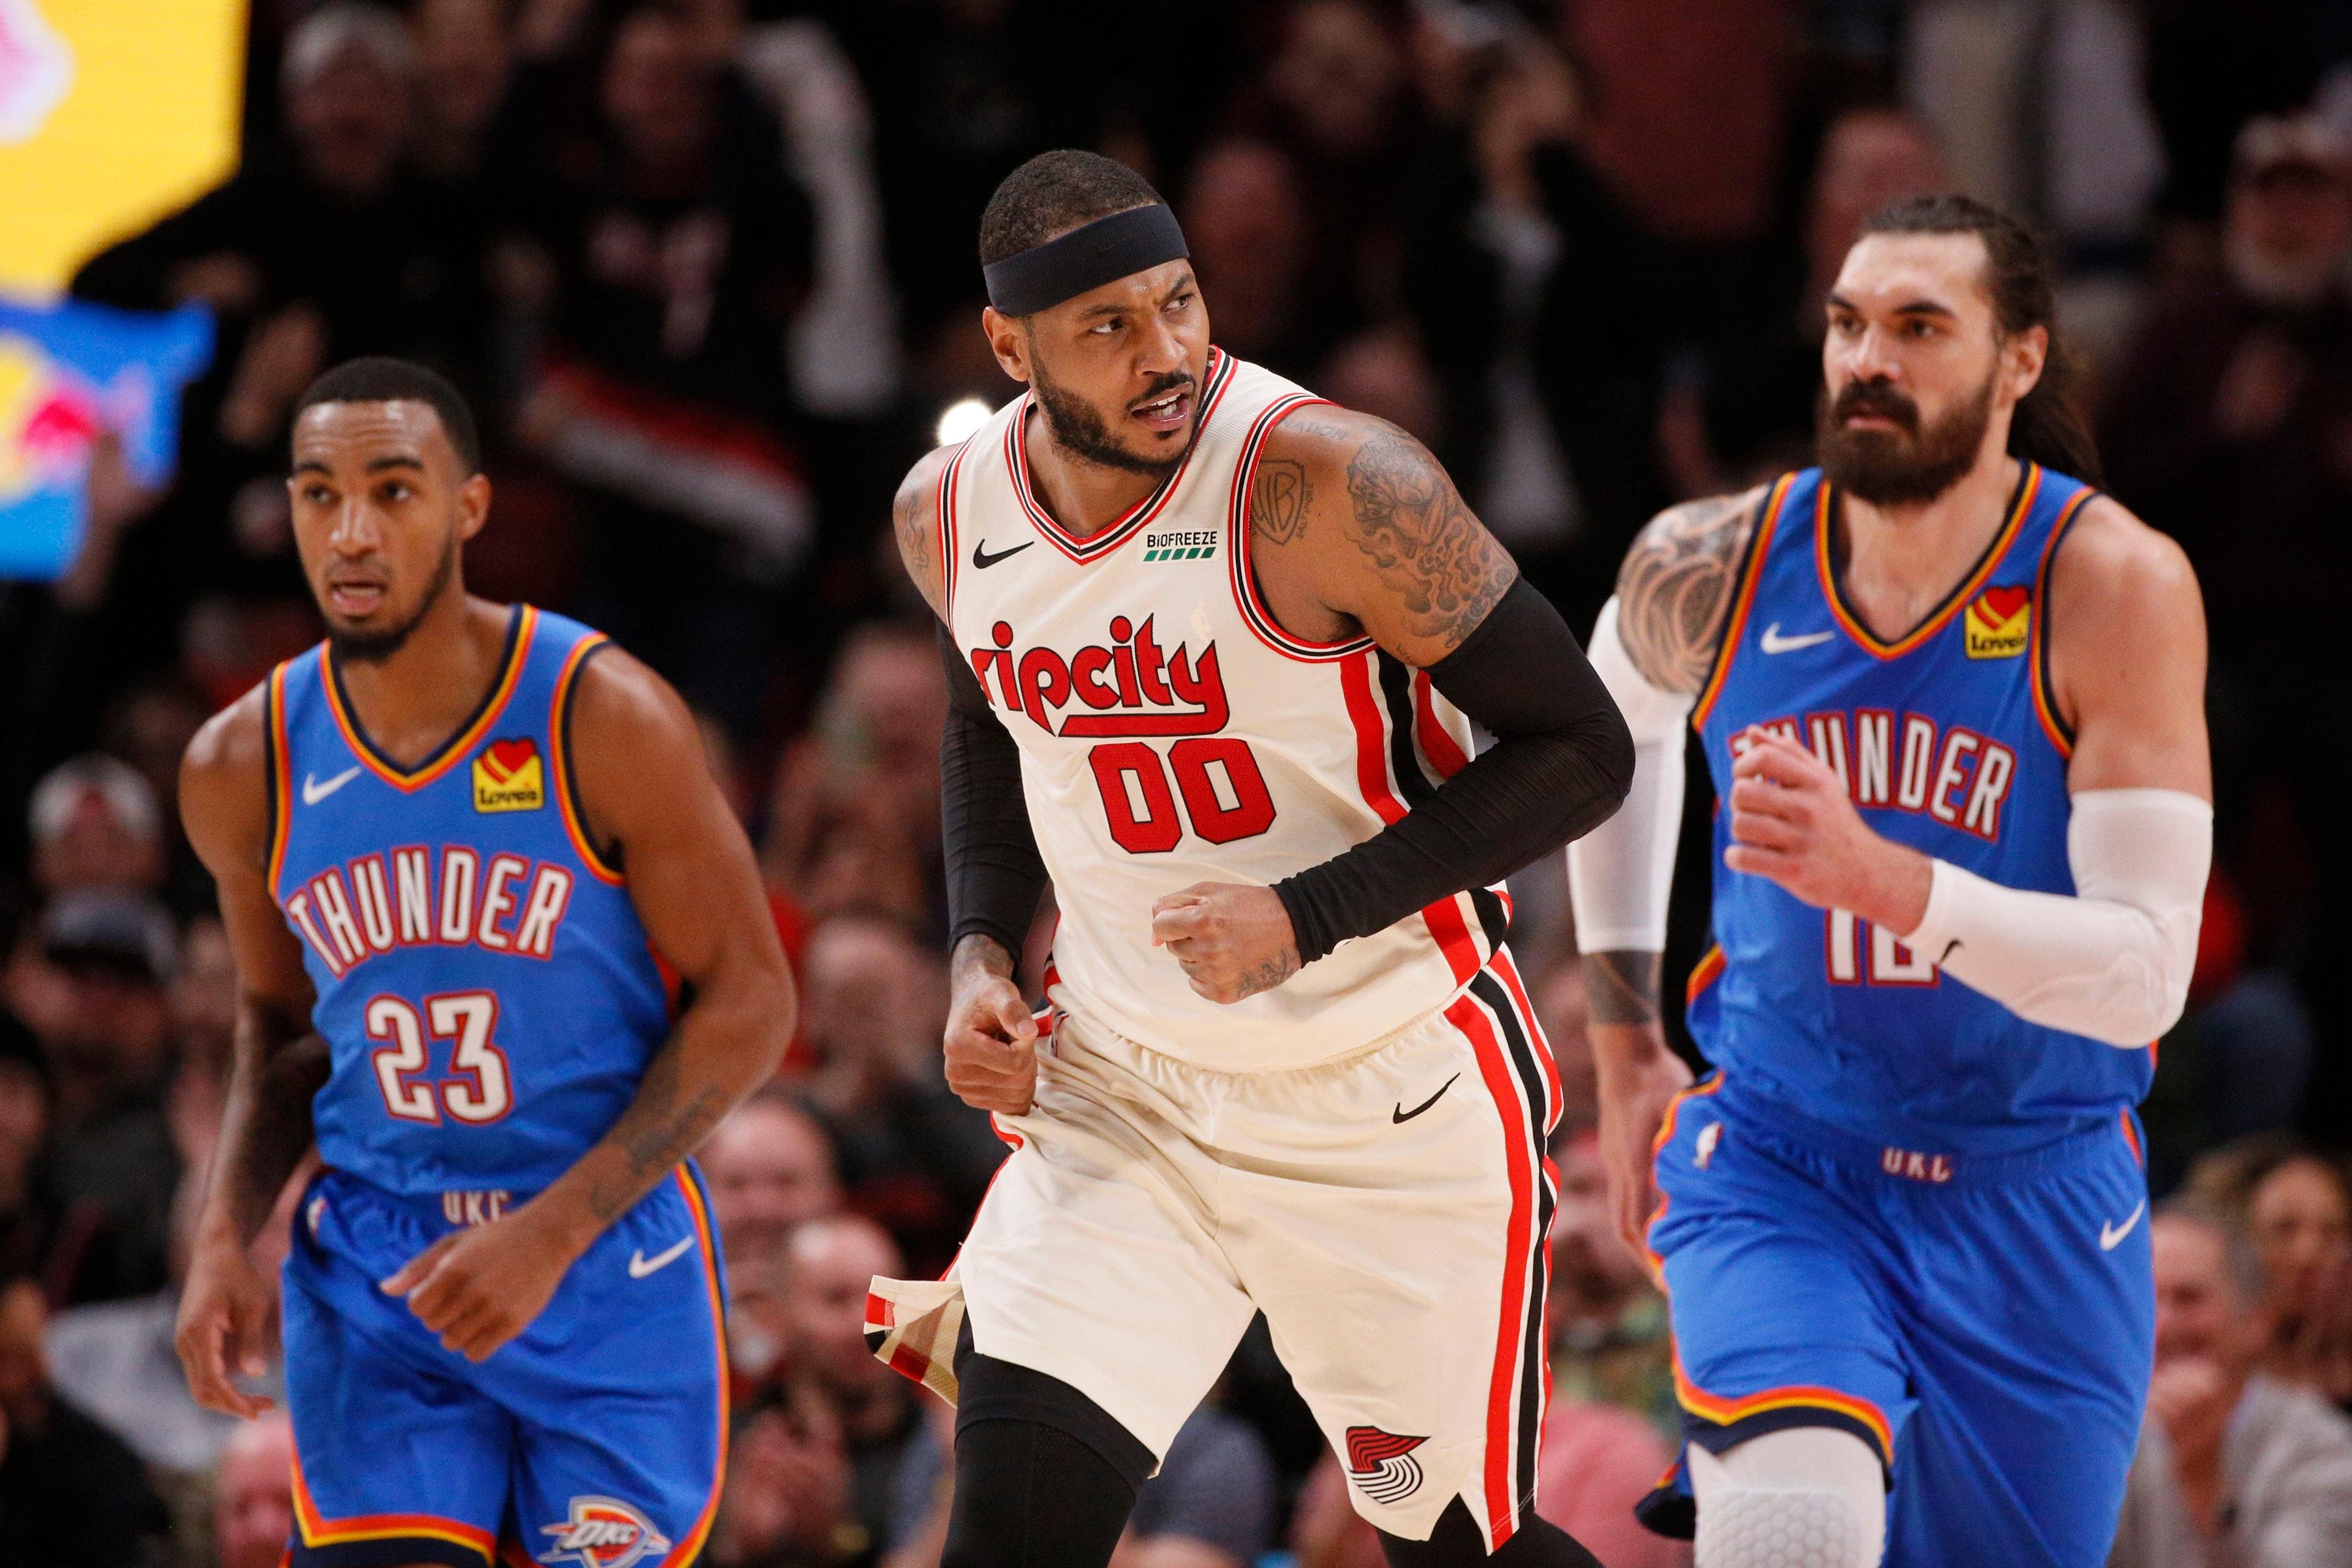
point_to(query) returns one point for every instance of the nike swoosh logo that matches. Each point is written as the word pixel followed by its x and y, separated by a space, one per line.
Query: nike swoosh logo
pixel 313 792
pixel 640 1265
pixel 1402 1115
pixel 1774 642
pixel 2109 1234
pixel 981 559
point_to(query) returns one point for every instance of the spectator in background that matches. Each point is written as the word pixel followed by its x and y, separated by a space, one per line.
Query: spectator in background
pixel 462 56
pixel 95 825
pixel 912 1155
pixel 831 1265
pixel 42 1237
pixel 855 818
pixel 92 987
pixel 1537 304
pixel 680 252
pixel 72 1496
pixel 1212 1501
pixel 1245 225
pixel 786 1502
pixel 253 1494
pixel 2233 1466
pixel 769 1169
pixel 2295 1206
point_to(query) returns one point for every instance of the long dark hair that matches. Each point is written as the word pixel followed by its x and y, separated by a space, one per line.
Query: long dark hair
pixel 2047 427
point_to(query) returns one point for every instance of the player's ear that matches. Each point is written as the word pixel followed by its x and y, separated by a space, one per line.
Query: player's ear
pixel 473 506
pixel 1008 340
pixel 2024 355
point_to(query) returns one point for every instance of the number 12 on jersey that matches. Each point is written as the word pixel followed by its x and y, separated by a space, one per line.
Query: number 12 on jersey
pixel 1860 952
pixel 1225 794
pixel 477 1088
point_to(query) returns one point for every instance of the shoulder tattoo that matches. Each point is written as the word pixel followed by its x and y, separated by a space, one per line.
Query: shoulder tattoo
pixel 913 529
pixel 1424 542
pixel 1278 500
pixel 1673 593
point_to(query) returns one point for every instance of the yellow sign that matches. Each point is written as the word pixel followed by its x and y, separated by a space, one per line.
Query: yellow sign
pixel 1997 622
pixel 112 113
pixel 508 777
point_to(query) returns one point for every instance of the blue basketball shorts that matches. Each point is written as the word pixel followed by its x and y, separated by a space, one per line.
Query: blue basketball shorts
pixel 595 1437
pixel 1986 1325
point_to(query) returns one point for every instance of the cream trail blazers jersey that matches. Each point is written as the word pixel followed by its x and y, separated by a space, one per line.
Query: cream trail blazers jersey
pixel 1171 734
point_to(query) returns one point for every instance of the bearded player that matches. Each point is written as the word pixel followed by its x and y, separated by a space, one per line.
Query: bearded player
pixel 1214 645
pixel 1952 700
pixel 449 842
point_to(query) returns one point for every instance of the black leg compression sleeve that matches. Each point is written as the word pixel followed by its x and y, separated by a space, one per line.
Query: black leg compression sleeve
pixel 1457 1543
pixel 1043 1477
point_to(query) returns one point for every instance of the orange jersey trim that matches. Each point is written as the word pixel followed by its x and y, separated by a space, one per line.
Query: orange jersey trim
pixel 2045 700
pixel 317 1532
pixel 281 783
pixel 1994 553
pixel 458 747
pixel 1796 1396
pixel 1736 626
pixel 558 749
pixel 1704 974
pixel 687 1549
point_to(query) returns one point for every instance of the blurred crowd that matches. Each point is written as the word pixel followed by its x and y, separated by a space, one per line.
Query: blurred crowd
pixel 706 269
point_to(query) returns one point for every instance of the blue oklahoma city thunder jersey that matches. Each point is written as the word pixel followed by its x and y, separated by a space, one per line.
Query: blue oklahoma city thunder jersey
pixel 1948 740
pixel 484 984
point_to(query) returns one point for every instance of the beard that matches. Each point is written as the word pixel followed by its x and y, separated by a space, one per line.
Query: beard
pixel 1909 467
pixel 1078 430
pixel 377 644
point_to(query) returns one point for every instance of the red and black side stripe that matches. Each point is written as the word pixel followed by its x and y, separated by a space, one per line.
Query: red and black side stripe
pixel 1518 1044
pixel 1414 782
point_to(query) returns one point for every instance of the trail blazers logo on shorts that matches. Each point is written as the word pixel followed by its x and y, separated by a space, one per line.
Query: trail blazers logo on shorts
pixel 1998 621
pixel 602 1533
pixel 1383 1464
pixel 507 776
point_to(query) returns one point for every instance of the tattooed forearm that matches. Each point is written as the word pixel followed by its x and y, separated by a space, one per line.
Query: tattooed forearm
pixel 1673 593
pixel 655 1133
pixel 1279 497
pixel 1622 987
pixel 1426 546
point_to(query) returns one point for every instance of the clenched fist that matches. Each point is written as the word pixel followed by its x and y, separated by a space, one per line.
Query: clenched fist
pixel 1232 941
pixel 990 1043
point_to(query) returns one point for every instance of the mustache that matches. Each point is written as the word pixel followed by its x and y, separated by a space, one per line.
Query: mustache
pixel 1161 385
pixel 1876 398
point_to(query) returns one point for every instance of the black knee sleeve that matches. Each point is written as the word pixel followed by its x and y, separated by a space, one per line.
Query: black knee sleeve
pixel 1457 1543
pixel 1043 1477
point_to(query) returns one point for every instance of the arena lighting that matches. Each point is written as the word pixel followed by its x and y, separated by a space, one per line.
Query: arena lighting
pixel 960 419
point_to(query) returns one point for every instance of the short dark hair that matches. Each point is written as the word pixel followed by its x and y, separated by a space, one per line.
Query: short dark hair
pixel 2048 426
pixel 1054 193
pixel 380 379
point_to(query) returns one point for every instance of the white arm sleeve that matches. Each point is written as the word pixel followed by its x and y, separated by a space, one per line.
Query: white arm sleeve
pixel 2112 962
pixel 1620 873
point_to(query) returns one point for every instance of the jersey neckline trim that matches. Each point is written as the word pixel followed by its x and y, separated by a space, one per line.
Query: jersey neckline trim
pixel 1750 569
pixel 522 624
pixel 1094 547
pixel 2029 485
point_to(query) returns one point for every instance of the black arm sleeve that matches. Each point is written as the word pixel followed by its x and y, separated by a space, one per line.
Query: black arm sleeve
pixel 994 874
pixel 1561 763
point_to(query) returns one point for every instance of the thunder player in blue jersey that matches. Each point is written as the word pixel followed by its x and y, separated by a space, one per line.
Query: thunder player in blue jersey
pixel 449 842
pixel 1952 701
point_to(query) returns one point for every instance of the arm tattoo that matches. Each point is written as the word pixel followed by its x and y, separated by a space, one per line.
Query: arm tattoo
pixel 655 1133
pixel 1673 593
pixel 1279 497
pixel 275 1131
pixel 1622 987
pixel 1427 547
pixel 913 529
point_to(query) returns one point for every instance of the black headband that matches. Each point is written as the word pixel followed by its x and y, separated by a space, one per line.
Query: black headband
pixel 1087 258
